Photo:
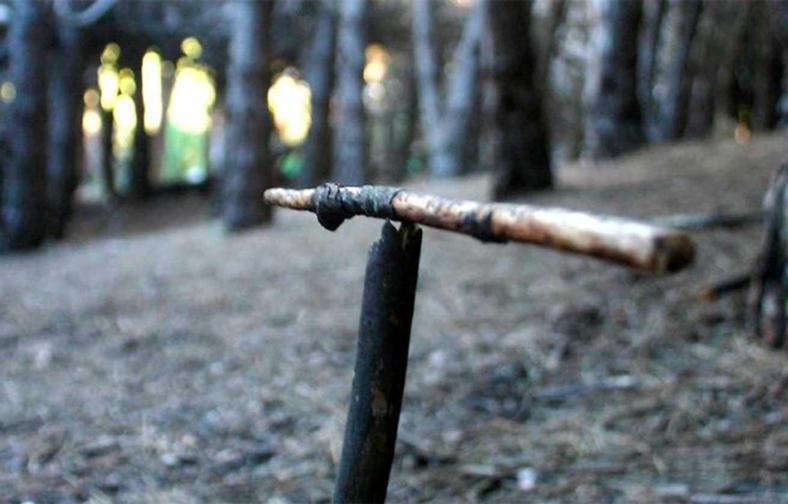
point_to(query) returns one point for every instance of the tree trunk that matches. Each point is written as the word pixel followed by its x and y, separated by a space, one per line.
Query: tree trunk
pixel 736 19
pixel 706 58
pixel 107 154
pixel 614 121
pixel 64 127
pixel 24 174
pixel 519 152
pixel 555 17
pixel 673 104
pixel 768 65
pixel 427 76
pixel 349 140
pixel 462 100
pixel 767 318
pixel 446 128
pixel 248 171
pixel 320 76
pixel 139 181
pixel 648 47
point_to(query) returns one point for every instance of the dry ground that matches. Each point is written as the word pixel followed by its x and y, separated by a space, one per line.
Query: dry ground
pixel 182 365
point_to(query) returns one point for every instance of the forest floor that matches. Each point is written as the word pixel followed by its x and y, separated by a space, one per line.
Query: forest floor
pixel 150 358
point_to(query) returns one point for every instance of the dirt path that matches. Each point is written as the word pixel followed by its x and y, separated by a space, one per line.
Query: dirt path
pixel 182 365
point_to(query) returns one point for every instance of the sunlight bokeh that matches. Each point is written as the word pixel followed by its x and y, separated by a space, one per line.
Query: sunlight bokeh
pixel 289 100
pixel 151 91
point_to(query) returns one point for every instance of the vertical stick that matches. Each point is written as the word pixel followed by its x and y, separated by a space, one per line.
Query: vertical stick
pixel 381 363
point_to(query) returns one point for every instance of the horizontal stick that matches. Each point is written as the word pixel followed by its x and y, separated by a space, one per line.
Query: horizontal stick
pixel 627 242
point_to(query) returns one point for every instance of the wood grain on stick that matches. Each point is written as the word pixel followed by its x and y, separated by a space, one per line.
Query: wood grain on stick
pixel 635 244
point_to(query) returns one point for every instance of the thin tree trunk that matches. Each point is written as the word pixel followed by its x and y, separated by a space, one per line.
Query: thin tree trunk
pixel 320 76
pixel 767 303
pixel 462 100
pixel 427 76
pixel 446 127
pixel 139 181
pixel 349 139
pixel 248 171
pixel 107 154
pixel 768 71
pixel 737 17
pixel 555 17
pixel 683 16
pixel 517 140
pixel 614 122
pixel 64 127
pixel 648 46
pixel 23 216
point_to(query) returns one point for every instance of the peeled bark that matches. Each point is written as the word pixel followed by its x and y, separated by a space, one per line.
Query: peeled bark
pixel 23 216
pixel 673 104
pixel 248 171
pixel 64 127
pixel 139 182
pixel 519 151
pixel 320 76
pixel 349 140
pixel 614 121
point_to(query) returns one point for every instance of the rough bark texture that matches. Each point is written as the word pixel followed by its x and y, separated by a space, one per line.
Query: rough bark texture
pixel 248 171
pixel 64 126
pixel 139 181
pixel 23 222
pixel 349 139
pixel 320 76
pixel 768 287
pixel 614 120
pixel 623 241
pixel 519 151
pixel 381 365
pixel 651 27
pixel 673 104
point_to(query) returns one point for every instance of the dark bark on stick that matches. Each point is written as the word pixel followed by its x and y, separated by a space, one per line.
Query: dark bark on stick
pixel 23 216
pixel 517 130
pixel 768 291
pixel 614 120
pixel 623 241
pixel 350 152
pixel 320 76
pixel 139 181
pixel 248 170
pixel 674 104
pixel 64 128
pixel 381 365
